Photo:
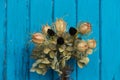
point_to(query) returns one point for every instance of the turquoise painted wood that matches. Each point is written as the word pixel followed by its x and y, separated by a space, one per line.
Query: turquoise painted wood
pixel 110 35
pixel 89 11
pixel 20 18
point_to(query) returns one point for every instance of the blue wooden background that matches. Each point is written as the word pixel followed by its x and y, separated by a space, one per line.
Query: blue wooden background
pixel 20 18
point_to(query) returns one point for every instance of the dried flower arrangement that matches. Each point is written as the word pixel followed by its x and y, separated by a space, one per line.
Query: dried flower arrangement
pixel 54 46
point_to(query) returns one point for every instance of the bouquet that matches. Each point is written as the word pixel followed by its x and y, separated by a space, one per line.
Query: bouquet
pixel 55 46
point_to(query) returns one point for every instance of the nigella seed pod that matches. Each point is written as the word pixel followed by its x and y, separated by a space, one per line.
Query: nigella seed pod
pixel 72 31
pixel 60 26
pixel 82 46
pixel 85 28
pixel 50 32
pixel 91 43
pixel 38 38
pixel 60 41
pixel 45 29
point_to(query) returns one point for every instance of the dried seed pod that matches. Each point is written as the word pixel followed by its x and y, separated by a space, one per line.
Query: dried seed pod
pixel 65 53
pixel 81 65
pixel 46 50
pixel 89 51
pixel 44 61
pixel 38 38
pixel 60 41
pixel 44 70
pixel 53 63
pixel 91 43
pixel 42 66
pixel 34 64
pixel 39 71
pixel 84 61
pixel 66 36
pixel 60 26
pixel 84 28
pixel 50 32
pixel 32 69
pixel 45 29
pixel 67 57
pixel 63 63
pixel 52 46
pixel 62 48
pixel 72 31
pixel 82 46
pixel 52 54
pixel 69 48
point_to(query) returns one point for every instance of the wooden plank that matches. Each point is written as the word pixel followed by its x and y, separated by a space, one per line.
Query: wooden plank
pixel 110 11
pixel 2 40
pixel 40 14
pixel 89 11
pixel 66 9
pixel 17 31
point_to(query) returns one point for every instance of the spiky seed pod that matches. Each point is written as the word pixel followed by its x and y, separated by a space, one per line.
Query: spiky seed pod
pixel 82 46
pixel 45 29
pixel 72 31
pixel 38 38
pixel 60 41
pixel 60 26
pixel 50 32
pixel 84 28
pixel 91 43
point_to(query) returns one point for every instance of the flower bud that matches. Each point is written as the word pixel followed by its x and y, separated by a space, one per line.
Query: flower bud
pixel 84 28
pixel 82 46
pixel 45 29
pixel 60 26
pixel 38 38
pixel 91 43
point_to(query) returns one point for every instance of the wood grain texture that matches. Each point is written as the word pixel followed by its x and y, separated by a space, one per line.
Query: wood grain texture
pixel 40 14
pixel 66 9
pixel 88 11
pixel 17 31
pixel 20 18
pixel 3 43
pixel 110 22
